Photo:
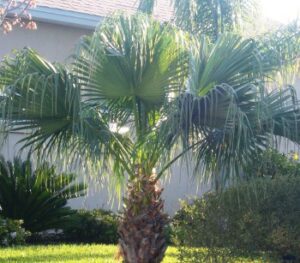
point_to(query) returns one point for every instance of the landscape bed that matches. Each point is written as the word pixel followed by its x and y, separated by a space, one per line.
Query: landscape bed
pixel 77 253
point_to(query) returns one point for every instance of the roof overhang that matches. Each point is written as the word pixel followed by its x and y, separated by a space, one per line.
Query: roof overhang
pixel 65 17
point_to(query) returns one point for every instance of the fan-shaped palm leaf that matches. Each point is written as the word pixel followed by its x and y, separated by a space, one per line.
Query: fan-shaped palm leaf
pixel 44 101
pixel 132 65
pixel 231 60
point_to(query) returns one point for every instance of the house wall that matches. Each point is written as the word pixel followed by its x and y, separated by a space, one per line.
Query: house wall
pixel 56 43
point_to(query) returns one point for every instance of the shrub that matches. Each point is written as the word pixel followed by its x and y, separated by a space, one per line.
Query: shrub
pixel 37 197
pixel 95 226
pixel 261 215
pixel 11 232
pixel 273 163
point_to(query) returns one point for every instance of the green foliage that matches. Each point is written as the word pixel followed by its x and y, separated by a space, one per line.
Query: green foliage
pixel 261 215
pixel 283 44
pixel 12 232
pixel 165 86
pixel 96 226
pixel 38 197
pixel 212 17
pixel 273 163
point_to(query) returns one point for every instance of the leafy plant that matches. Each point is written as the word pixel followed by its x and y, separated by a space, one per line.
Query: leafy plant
pixel 273 163
pixel 12 232
pixel 96 226
pixel 261 215
pixel 37 197
pixel 213 18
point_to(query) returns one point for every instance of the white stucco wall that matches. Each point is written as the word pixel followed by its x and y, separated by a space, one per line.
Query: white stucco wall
pixel 56 43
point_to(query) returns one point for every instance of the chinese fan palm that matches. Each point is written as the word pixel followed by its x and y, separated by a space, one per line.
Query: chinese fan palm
pixel 38 197
pixel 166 88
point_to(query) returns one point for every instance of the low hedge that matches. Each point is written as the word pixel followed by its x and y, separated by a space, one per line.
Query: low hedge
pixel 261 215
pixel 86 226
pixel 95 226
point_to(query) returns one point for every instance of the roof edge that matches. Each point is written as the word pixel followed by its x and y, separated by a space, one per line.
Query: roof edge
pixel 65 17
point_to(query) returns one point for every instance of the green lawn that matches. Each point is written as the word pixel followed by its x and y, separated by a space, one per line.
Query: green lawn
pixel 67 254
pixel 73 254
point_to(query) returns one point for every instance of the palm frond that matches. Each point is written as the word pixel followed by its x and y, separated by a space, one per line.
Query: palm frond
pixel 282 47
pixel 227 114
pixel 281 116
pixel 231 60
pixel 131 65
pixel 212 18
pixel 39 97
pixel 43 100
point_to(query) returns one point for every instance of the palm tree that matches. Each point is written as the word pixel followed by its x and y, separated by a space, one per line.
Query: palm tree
pixel 214 17
pixel 37 197
pixel 146 6
pixel 176 95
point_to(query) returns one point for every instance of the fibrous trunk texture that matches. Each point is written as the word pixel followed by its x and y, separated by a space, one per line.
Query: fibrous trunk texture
pixel 141 229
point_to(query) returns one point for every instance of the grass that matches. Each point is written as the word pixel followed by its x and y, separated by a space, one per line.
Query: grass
pixel 75 254
pixel 67 254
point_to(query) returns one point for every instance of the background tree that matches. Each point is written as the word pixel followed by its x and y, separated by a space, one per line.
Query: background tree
pixel 214 17
pixel 146 6
pixel 172 91
pixel 15 12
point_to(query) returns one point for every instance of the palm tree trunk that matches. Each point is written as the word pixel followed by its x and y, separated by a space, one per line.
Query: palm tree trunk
pixel 141 229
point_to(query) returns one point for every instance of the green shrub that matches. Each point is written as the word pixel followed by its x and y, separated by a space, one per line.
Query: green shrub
pixel 11 232
pixel 273 163
pixel 37 197
pixel 95 226
pixel 261 215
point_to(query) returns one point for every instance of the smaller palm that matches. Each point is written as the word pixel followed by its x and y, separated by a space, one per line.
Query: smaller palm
pixel 38 197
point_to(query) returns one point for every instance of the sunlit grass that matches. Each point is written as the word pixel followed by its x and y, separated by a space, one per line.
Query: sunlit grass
pixel 76 254
pixel 67 254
